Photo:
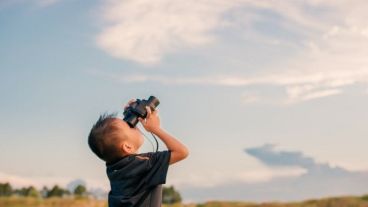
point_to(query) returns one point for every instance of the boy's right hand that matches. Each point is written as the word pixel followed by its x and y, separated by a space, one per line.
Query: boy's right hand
pixel 152 122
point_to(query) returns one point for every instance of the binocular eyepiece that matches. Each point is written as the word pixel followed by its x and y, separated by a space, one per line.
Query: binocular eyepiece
pixel 138 109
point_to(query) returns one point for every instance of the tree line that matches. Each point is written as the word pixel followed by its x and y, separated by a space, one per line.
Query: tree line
pixel 7 190
pixel 169 194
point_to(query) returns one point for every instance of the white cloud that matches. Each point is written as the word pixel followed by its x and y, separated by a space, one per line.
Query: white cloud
pixel 317 179
pixel 248 98
pixel 295 97
pixel 299 86
pixel 144 31
pixel 333 54
pixel 217 178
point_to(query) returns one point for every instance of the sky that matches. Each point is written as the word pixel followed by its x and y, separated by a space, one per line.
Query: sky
pixel 269 96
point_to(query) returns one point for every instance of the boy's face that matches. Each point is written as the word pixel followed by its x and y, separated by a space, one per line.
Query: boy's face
pixel 132 136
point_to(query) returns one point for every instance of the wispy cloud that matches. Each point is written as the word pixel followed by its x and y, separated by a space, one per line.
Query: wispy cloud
pixel 317 180
pixel 212 179
pixel 295 95
pixel 144 31
pixel 299 85
pixel 268 155
pixel 333 40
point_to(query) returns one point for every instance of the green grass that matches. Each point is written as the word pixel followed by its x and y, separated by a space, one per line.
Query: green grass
pixel 346 201
pixel 52 202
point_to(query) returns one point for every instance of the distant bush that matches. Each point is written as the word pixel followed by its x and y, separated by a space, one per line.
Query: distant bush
pixel 365 197
pixel 80 191
pixel 5 189
pixel 170 195
pixel 27 192
pixel 57 191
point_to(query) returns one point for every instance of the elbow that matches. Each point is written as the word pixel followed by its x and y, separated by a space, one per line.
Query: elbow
pixel 178 155
pixel 185 153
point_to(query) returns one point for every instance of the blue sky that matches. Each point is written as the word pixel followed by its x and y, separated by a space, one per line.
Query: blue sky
pixel 282 78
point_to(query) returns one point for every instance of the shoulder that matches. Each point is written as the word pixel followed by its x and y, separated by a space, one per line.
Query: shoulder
pixel 142 157
pixel 153 155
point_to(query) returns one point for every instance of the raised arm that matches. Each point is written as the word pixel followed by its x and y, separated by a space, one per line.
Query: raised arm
pixel 152 124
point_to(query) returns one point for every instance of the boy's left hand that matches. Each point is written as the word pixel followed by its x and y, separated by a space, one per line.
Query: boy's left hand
pixel 129 103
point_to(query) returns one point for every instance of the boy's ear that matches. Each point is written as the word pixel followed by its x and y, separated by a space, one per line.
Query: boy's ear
pixel 127 148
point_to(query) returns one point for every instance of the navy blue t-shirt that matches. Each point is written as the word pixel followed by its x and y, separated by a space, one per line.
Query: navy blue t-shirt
pixel 135 180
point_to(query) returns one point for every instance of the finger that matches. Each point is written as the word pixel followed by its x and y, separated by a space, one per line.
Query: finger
pixel 143 122
pixel 148 111
pixel 155 112
pixel 129 103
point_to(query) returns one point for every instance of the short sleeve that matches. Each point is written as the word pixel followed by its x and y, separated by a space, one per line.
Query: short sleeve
pixel 158 165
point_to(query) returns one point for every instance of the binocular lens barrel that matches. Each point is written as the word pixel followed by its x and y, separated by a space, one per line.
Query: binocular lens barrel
pixel 131 120
pixel 138 109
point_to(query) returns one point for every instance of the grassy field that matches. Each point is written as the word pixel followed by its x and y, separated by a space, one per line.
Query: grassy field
pixel 347 201
pixel 52 202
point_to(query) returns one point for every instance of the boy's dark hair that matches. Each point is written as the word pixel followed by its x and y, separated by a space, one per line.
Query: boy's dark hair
pixel 102 140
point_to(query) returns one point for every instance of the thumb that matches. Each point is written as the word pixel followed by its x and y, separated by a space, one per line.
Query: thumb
pixel 143 122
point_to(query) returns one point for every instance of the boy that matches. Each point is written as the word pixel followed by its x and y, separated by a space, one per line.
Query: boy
pixel 135 179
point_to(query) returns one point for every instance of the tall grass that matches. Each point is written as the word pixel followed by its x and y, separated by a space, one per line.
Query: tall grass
pixel 346 201
pixel 51 202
